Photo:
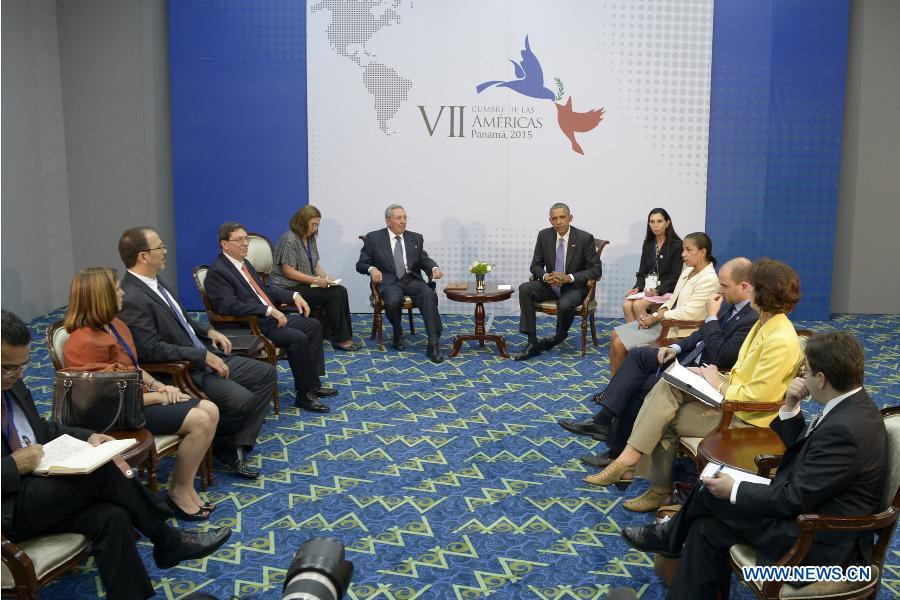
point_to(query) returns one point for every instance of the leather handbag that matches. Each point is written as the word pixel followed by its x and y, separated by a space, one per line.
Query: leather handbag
pixel 100 401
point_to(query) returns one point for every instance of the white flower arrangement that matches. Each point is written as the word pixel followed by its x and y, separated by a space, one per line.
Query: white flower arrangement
pixel 479 267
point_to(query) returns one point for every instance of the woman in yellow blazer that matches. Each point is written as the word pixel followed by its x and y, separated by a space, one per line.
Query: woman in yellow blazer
pixel 697 282
pixel 767 362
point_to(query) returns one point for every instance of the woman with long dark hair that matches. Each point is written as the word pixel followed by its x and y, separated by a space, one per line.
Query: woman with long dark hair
pixel 660 264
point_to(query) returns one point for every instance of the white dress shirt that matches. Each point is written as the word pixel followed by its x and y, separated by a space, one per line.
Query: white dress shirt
pixel 565 239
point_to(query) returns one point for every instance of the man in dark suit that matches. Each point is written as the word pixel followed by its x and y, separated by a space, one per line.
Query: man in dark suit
pixel 834 465
pixel 564 259
pixel 163 332
pixel 718 341
pixel 104 506
pixel 234 288
pixel 394 258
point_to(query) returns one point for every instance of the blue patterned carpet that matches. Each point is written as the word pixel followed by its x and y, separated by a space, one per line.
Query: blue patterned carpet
pixel 443 481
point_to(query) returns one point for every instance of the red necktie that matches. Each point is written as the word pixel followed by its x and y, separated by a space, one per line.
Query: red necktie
pixel 9 427
pixel 256 287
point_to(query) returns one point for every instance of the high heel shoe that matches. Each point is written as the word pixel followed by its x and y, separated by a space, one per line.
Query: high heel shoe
pixel 612 474
pixel 649 501
pixel 201 514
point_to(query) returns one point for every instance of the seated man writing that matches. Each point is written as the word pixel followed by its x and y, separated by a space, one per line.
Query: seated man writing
pixel 833 465
pixel 104 506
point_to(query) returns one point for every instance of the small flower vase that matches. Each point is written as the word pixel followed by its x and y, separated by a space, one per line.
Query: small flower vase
pixel 479 282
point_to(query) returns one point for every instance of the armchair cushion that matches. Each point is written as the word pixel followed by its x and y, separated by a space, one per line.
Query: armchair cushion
pixel 47 552
pixel 744 555
pixel 260 253
pixel 892 482
pixel 165 442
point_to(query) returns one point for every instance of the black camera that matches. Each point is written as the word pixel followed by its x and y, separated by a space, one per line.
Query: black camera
pixel 318 571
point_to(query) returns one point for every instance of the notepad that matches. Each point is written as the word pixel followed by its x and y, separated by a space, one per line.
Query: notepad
pixel 330 281
pixel 69 456
pixel 457 285
pixel 504 287
pixel 693 384
pixel 739 475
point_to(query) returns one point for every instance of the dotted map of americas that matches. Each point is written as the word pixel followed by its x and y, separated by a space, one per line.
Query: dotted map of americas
pixel 353 23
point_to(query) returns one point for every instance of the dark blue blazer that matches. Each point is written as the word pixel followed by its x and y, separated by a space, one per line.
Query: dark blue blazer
pixel 231 294
pixel 721 343
pixel 377 252
pixel 582 261
pixel 838 469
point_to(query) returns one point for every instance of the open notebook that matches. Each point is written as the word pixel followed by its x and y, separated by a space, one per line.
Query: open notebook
pixel 739 475
pixel 69 456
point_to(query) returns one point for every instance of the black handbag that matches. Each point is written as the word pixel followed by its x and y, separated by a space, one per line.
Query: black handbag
pixel 99 400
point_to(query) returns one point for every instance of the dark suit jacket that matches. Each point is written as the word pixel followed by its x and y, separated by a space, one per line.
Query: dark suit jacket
pixel 582 261
pixel 158 334
pixel 44 432
pixel 378 252
pixel 721 342
pixel 230 294
pixel 837 470
pixel 669 265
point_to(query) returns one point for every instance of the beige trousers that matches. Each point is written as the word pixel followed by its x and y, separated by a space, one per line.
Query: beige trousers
pixel 667 414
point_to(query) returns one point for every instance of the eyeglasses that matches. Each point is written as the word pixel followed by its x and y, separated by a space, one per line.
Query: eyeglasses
pixel 241 240
pixel 12 370
pixel 160 247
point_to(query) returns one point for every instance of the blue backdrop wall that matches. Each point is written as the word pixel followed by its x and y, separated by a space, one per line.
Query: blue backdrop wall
pixel 238 79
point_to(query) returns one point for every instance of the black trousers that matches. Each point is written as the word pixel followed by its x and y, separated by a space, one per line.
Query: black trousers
pixel 334 302
pixel 708 527
pixel 424 297
pixel 625 393
pixel 105 507
pixel 532 292
pixel 243 399
pixel 302 337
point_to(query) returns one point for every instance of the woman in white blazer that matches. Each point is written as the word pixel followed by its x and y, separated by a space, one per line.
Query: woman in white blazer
pixel 697 282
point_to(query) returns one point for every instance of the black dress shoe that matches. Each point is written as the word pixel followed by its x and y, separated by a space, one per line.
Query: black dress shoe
pixel 310 403
pixel 530 351
pixel 598 397
pixel 652 538
pixel 234 459
pixel 353 347
pixel 548 343
pixel 434 352
pixel 586 427
pixel 398 343
pixel 193 545
pixel 597 461
pixel 325 392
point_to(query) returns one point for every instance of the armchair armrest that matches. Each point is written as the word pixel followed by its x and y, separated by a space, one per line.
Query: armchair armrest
pixel 19 564
pixel 765 463
pixel 813 522
pixel 179 372
pixel 252 321
pixel 667 324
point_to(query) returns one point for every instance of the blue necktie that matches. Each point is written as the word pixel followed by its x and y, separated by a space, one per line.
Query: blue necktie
pixel 399 263
pixel 180 316
pixel 560 263
pixel 694 355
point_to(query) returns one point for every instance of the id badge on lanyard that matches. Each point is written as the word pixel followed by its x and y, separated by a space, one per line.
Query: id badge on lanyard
pixel 651 281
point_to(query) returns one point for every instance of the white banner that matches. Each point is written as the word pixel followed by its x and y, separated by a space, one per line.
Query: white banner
pixel 476 116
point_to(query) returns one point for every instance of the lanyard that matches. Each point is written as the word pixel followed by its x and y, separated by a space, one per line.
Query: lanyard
pixel 123 345
pixel 656 250
pixel 306 247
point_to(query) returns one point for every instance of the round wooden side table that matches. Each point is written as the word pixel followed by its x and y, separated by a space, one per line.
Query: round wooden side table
pixel 479 299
